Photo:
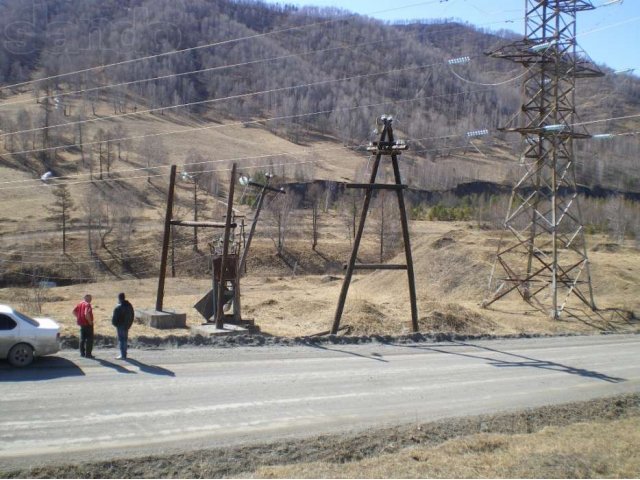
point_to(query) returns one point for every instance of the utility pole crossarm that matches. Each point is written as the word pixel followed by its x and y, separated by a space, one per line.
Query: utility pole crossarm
pixel 190 223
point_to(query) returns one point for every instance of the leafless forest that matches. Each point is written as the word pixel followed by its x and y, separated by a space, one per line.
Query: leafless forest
pixel 305 76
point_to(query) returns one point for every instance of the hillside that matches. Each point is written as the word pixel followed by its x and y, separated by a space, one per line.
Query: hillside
pixel 294 92
pixel 297 73
pixel 453 261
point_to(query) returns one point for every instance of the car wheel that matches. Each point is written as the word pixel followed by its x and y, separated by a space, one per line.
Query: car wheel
pixel 20 355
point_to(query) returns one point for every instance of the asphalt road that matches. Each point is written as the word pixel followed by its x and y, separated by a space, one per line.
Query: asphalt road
pixel 67 409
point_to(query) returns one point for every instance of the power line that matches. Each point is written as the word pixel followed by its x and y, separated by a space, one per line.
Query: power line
pixel 227 160
pixel 234 96
pixel 209 45
pixel 244 123
pixel 219 67
pixel 274 154
pixel 234 65
pixel 611 119
pixel 221 99
pixel 222 160
pixel 173 75
pixel 258 157
pixel 111 180
pixel 244 95
pixel 606 27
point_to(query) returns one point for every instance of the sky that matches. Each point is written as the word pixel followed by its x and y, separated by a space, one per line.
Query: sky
pixel 610 34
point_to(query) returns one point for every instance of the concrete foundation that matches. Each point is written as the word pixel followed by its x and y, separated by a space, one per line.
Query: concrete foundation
pixel 209 329
pixel 162 320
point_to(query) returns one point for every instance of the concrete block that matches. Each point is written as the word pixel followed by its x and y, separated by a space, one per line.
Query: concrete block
pixel 162 320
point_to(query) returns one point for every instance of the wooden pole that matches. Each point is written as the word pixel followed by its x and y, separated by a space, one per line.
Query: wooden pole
pixel 242 268
pixel 245 251
pixel 354 252
pixel 225 252
pixel 386 146
pixel 165 239
pixel 407 244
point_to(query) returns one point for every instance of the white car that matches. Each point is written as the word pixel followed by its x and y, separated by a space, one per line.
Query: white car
pixel 22 338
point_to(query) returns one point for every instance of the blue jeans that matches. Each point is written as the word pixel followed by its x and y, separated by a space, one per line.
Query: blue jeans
pixel 123 337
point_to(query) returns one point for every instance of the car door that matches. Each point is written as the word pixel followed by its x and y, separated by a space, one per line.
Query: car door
pixel 9 334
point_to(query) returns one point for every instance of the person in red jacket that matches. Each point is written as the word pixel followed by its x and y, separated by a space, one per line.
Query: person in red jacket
pixel 84 318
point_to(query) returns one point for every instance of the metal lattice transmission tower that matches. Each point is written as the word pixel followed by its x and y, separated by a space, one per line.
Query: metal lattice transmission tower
pixel 546 260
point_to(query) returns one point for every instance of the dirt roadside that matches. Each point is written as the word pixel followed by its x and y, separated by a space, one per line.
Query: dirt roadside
pixel 71 342
pixel 338 449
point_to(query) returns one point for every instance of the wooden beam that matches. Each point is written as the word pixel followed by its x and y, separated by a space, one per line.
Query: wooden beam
pixel 191 223
pixel 378 266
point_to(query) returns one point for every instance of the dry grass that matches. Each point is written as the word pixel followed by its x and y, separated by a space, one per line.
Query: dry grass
pixel 451 276
pixel 452 259
pixel 583 450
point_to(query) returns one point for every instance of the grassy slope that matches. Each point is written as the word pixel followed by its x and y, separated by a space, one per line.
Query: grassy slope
pixel 450 286
pixel 452 260
pixel 582 450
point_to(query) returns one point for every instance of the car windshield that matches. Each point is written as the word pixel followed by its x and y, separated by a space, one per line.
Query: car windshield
pixel 23 317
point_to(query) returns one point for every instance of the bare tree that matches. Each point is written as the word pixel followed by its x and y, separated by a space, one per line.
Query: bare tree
pixel 152 151
pixel 280 208
pixel 195 172
pixel 99 138
pixel 46 119
pixel 316 193
pixel 24 122
pixel 387 222
pixel 617 217
pixel 89 206
pixel 60 211
pixel 349 207
pixel 80 119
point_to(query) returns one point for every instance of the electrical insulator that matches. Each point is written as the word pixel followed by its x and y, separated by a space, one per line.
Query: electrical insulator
pixel 542 46
pixel 555 128
pixel 478 133
pixel 459 60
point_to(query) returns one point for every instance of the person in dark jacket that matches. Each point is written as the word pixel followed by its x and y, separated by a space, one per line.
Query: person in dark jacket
pixel 123 316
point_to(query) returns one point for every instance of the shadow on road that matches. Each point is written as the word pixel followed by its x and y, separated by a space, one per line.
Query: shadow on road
pixel 372 357
pixel 152 369
pixel 44 368
pixel 515 360
pixel 115 366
